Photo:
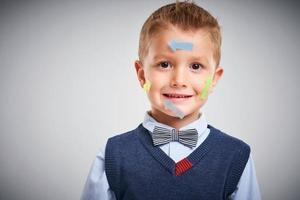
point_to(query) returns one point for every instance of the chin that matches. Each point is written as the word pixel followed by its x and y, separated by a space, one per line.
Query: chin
pixel 192 112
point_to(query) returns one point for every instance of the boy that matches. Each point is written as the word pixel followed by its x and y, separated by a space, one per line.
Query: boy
pixel 174 153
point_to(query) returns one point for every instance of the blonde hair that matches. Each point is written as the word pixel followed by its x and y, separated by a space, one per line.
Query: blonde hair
pixel 185 15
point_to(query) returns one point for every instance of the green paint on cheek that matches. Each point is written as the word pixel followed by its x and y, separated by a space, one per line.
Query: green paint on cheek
pixel 205 90
pixel 147 86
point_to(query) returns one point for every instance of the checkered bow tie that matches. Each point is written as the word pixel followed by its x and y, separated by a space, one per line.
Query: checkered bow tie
pixel 162 135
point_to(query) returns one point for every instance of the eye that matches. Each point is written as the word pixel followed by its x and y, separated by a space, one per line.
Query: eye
pixel 164 64
pixel 196 66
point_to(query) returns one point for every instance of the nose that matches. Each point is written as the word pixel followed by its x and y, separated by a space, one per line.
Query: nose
pixel 178 78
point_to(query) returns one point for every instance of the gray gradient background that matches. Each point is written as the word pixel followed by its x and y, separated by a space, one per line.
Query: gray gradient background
pixel 67 83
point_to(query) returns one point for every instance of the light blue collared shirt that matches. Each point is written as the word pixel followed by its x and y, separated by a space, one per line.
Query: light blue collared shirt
pixel 97 188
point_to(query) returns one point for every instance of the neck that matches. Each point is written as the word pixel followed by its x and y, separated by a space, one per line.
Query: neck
pixel 174 121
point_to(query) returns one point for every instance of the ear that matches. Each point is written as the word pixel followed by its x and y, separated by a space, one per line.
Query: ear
pixel 140 72
pixel 217 75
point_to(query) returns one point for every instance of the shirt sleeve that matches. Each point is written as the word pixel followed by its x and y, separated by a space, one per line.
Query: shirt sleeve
pixel 96 186
pixel 247 188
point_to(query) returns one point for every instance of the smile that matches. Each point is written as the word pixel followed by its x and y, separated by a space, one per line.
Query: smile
pixel 177 95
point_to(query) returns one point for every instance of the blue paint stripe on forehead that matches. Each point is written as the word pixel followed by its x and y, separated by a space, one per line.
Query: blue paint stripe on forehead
pixel 175 45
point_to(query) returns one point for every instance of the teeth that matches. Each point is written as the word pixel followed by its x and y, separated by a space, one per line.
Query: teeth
pixel 177 96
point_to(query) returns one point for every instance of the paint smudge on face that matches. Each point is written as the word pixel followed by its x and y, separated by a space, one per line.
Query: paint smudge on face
pixel 171 106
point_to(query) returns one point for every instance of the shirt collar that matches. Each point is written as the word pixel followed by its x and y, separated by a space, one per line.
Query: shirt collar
pixel 200 124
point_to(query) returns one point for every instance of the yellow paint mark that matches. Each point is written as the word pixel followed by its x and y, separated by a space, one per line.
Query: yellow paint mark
pixel 147 86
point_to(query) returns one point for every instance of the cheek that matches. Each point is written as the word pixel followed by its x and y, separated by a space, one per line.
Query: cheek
pixel 155 98
pixel 157 85
pixel 156 88
pixel 198 85
pixel 159 81
pixel 199 88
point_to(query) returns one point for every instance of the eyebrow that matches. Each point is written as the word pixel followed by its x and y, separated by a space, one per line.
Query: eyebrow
pixel 161 56
pixel 199 58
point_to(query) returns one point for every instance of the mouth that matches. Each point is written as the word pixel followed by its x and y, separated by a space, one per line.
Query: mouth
pixel 177 96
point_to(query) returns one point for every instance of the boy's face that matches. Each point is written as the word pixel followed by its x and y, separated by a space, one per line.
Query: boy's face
pixel 179 76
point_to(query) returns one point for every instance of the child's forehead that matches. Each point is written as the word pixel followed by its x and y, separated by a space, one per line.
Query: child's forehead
pixel 168 43
pixel 175 31
pixel 199 38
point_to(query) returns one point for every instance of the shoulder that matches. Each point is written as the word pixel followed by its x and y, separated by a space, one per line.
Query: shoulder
pixel 233 143
pixel 121 145
pixel 124 138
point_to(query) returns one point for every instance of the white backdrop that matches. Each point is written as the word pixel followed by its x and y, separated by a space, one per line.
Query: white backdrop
pixel 67 83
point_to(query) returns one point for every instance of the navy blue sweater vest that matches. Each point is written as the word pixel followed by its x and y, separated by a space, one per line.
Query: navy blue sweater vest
pixel 136 170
